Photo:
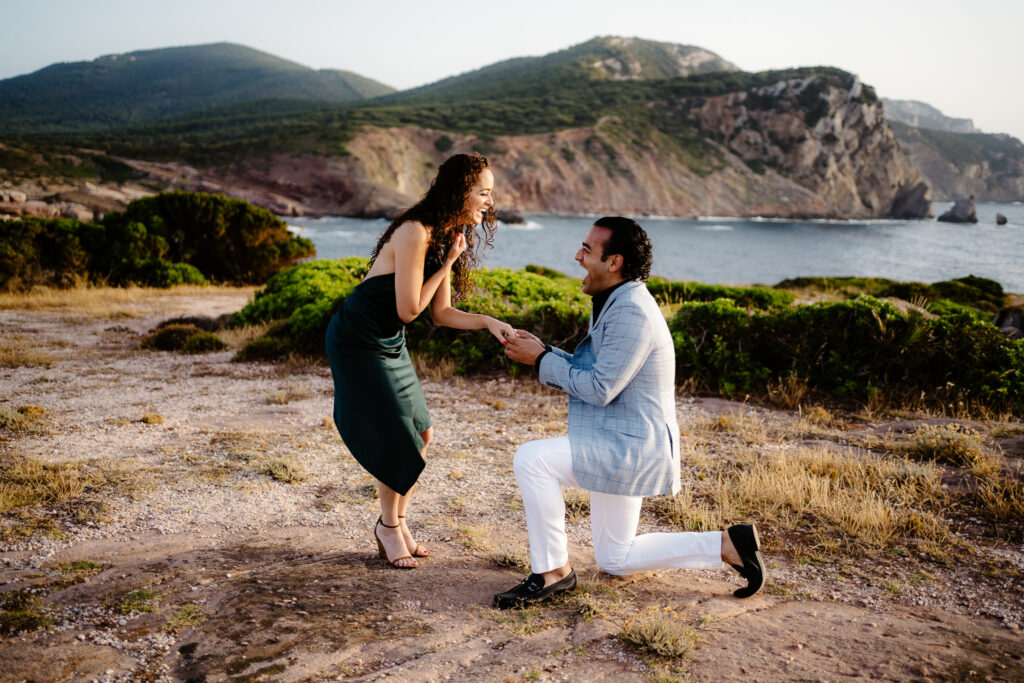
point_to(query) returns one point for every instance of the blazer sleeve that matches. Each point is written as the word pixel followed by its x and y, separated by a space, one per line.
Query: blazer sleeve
pixel 626 343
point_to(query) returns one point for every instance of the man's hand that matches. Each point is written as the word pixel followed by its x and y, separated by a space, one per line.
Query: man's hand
pixel 523 334
pixel 524 349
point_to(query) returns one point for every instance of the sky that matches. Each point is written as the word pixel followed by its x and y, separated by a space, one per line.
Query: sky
pixel 966 58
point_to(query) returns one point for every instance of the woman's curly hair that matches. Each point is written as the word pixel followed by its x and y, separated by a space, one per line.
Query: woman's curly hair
pixel 442 210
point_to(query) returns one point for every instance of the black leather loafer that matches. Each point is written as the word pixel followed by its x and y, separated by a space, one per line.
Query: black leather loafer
pixel 532 589
pixel 744 538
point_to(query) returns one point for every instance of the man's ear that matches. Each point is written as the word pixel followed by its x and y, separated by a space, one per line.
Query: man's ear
pixel 615 262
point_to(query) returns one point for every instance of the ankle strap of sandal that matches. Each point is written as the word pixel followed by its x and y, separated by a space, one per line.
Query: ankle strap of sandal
pixel 380 520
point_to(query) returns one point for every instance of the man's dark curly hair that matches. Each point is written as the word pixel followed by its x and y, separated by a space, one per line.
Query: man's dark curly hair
pixel 630 241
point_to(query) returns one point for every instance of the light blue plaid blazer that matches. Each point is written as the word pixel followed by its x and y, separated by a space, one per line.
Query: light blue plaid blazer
pixel 622 410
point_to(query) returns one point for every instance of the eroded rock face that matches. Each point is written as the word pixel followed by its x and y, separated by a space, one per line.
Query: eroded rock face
pixel 963 211
pixel 833 141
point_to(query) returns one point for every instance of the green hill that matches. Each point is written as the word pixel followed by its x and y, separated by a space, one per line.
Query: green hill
pixel 605 58
pixel 142 87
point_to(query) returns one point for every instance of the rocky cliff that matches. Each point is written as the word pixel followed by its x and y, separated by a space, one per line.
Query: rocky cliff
pixel 989 167
pixel 807 147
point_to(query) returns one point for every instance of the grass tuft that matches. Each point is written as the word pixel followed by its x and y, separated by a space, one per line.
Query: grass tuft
pixel 659 634
pixel 21 611
pixel 284 470
pixel 185 617
pixel 140 600
pixel 511 558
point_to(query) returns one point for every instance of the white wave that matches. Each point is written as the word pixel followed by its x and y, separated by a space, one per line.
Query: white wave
pixel 296 229
pixel 715 228
pixel 528 225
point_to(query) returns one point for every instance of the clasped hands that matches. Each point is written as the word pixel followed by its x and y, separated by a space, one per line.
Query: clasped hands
pixel 523 347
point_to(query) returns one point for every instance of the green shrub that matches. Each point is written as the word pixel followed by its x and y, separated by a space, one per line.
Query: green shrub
pixel 170 337
pixel 186 338
pixel 229 240
pixel 171 239
pixel 853 349
pixel 304 298
pixel 748 297
pixel 443 143
pixel 971 292
pixel 203 342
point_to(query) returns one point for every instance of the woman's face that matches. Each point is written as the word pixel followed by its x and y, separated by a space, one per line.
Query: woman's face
pixel 480 199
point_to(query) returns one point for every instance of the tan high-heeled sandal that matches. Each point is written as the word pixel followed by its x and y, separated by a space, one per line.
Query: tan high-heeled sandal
pixel 384 554
pixel 419 551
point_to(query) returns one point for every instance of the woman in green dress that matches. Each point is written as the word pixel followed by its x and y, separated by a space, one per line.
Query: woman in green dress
pixel 424 258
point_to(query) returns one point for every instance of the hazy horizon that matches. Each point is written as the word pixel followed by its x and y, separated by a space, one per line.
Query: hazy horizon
pixel 955 59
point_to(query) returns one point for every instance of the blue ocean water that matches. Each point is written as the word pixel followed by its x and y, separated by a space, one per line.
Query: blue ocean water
pixel 747 251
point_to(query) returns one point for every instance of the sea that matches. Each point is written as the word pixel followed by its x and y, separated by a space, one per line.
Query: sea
pixel 744 251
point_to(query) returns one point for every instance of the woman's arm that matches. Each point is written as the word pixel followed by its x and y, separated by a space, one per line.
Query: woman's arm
pixel 443 314
pixel 412 294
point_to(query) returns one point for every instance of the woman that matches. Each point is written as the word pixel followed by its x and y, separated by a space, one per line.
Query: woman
pixel 425 257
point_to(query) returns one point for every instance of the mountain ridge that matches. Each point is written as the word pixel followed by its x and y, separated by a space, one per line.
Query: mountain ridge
pixel 148 85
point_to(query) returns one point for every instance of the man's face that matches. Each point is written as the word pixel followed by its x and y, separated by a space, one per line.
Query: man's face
pixel 600 274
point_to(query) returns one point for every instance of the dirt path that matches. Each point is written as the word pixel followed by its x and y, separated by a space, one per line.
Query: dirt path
pixel 197 564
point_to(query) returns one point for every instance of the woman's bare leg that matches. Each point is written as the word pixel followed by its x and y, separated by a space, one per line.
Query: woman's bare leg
pixel 403 503
pixel 392 539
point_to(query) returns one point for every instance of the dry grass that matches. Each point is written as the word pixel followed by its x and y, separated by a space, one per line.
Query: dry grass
pixel 284 470
pixel 788 392
pixel 660 634
pixel 245 446
pixel 15 353
pixel 577 505
pixel 22 419
pixel 27 481
pixel 855 500
pixel 107 302
pixel 299 392
pixel 433 368
pixel 474 538
pixel 511 558
pixel 237 337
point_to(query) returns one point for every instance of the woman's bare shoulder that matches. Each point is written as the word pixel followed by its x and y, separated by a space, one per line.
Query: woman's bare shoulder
pixel 413 232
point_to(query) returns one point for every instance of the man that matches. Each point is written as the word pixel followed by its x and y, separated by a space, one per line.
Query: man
pixel 623 441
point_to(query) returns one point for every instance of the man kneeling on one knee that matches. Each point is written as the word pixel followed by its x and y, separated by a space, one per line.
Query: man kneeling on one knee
pixel 623 441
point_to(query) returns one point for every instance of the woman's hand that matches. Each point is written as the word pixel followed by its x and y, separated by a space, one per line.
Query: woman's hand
pixel 455 251
pixel 501 331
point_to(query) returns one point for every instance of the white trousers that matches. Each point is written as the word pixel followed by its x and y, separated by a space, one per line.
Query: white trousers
pixel 542 467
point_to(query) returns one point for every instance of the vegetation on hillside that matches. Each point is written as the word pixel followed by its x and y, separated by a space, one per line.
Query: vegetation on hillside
pixel 145 86
pixel 521 102
pixel 172 238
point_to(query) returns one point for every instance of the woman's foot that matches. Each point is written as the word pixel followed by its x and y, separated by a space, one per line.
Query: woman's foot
pixel 391 545
pixel 415 549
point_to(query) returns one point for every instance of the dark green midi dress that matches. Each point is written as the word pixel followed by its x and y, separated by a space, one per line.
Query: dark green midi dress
pixel 379 407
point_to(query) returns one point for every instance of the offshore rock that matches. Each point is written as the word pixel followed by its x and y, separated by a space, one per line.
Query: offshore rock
pixel 1000 219
pixel 912 202
pixel 963 211
pixel 1010 321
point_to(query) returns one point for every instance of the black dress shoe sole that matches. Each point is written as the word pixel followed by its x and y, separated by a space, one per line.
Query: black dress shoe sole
pixel 566 584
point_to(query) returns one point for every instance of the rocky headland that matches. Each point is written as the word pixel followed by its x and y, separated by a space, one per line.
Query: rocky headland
pixel 799 148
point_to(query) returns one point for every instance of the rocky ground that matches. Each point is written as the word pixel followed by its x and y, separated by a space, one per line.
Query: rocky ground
pixel 222 532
